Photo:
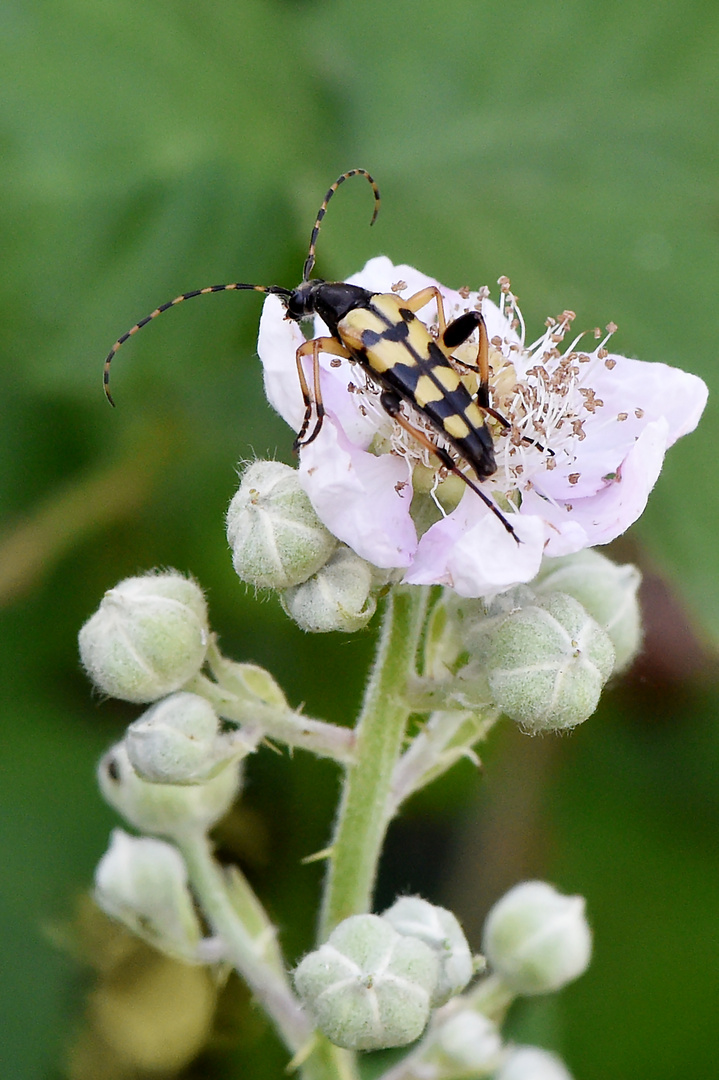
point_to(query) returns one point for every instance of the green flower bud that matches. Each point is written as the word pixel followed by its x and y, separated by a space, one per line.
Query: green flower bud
pixel 438 928
pixel 277 540
pixel 177 741
pixel 467 1044
pixel 548 663
pixel 531 1063
pixel 459 626
pixel 143 883
pixel 537 939
pixel 165 809
pixel 459 639
pixel 338 597
pixel 148 637
pixel 607 591
pixel 368 987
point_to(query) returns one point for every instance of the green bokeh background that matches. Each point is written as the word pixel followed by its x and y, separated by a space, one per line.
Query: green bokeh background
pixel 152 147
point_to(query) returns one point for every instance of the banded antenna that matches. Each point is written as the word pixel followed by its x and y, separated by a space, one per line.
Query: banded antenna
pixel 275 290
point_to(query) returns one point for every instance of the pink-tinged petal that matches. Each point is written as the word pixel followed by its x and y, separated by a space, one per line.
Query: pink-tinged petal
pixel 688 400
pixel 363 499
pixel 472 552
pixel 357 416
pixel 599 518
pixel 277 344
pixel 633 394
pixel 655 390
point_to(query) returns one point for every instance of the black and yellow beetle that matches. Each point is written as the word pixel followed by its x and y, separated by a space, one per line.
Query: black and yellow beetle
pixel 382 333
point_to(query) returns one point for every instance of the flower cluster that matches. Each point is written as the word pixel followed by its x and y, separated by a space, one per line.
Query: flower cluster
pixel 377 979
pixel 579 437
pixel 586 435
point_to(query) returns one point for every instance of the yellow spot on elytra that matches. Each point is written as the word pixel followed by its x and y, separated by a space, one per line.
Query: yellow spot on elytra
pixel 456 427
pixel 388 354
pixel 427 390
pixel 356 322
pixel 419 338
pixel 447 376
pixel 474 415
pixel 389 305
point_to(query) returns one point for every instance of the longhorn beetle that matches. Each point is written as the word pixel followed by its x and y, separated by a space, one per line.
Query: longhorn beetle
pixel 382 333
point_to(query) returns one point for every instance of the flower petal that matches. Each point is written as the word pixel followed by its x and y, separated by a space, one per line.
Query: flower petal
pixel 277 343
pixel 599 518
pixel 628 394
pixel 363 499
pixel 471 551
pixel 656 390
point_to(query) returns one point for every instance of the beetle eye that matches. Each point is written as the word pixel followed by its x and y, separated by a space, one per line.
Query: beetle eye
pixel 294 310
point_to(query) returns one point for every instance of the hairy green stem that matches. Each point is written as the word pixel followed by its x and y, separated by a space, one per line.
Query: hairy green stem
pixel 284 724
pixel 446 737
pixel 491 997
pixel 364 811
pixel 243 950
pixel 238 919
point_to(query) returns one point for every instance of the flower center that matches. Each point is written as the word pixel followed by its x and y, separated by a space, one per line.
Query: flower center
pixel 540 394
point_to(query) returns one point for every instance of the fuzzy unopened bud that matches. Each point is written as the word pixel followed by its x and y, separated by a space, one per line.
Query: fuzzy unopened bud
pixel 537 939
pixel 276 538
pixel 458 642
pixel 548 663
pixel 148 637
pixel 466 1044
pixel 532 1063
pixel 438 928
pixel 607 591
pixel 165 809
pixel 337 597
pixel 368 987
pixel 143 883
pixel 177 741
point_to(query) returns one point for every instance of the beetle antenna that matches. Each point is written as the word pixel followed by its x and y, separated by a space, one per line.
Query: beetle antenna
pixel 276 290
pixel 310 260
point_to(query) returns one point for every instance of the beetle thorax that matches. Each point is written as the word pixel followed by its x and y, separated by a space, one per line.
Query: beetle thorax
pixel 331 300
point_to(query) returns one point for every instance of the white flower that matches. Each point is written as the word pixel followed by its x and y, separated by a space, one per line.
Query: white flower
pixel 587 435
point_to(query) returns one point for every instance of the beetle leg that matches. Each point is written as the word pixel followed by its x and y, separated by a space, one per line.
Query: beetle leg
pixel 313 400
pixel 420 299
pixel 392 405
pixel 456 333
